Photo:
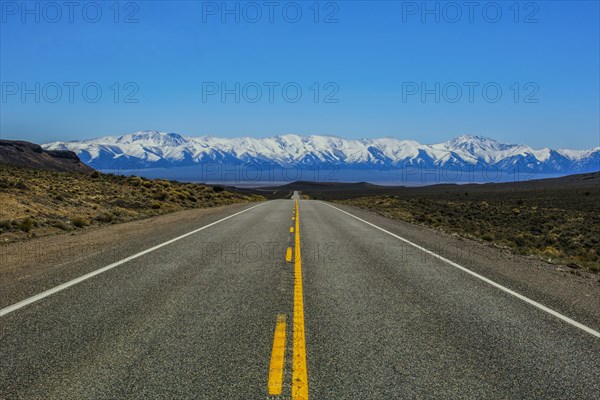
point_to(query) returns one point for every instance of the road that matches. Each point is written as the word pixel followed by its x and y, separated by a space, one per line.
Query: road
pixel 222 314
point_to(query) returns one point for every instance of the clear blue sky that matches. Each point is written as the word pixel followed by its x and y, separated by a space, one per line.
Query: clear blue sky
pixel 372 54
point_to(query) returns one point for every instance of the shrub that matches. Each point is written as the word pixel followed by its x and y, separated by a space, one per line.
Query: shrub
pixel 62 225
pixel 162 196
pixel 79 222
pixel 218 189
pixel 27 224
pixel 95 175
pixel 21 185
pixel 134 181
pixel 105 217
pixel 155 206
pixel 6 224
pixel 488 237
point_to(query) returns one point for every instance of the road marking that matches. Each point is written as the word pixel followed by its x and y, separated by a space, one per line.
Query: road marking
pixel 291 229
pixel 299 371
pixel 75 281
pixel 483 278
pixel 277 357
pixel 288 254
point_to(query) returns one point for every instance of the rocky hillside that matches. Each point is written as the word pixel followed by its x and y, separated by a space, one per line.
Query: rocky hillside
pixel 25 154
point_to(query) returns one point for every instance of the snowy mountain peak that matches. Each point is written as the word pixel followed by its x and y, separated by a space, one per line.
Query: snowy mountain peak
pixel 152 138
pixel 472 143
pixel 152 149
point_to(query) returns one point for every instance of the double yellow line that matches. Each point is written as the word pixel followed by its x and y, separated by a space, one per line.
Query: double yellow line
pixel 299 370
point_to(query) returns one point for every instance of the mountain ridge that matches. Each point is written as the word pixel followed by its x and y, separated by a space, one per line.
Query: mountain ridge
pixel 154 149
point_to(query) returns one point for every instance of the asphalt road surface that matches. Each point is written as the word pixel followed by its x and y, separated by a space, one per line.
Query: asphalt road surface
pixel 231 312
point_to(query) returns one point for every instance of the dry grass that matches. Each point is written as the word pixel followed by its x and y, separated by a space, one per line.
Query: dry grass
pixel 37 202
pixel 560 226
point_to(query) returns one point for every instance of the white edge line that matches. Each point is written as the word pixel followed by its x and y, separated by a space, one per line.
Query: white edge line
pixel 75 281
pixel 483 278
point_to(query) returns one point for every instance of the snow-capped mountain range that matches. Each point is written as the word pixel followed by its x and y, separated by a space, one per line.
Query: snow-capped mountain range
pixel 152 149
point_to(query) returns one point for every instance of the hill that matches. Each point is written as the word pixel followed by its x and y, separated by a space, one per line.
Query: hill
pixel 38 202
pixel 25 154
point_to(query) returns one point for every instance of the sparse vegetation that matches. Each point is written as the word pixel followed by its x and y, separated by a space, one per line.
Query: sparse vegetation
pixel 38 202
pixel 62 225
pixel 559 225
pixel 79 222
pixel 27 224
pixel 105 217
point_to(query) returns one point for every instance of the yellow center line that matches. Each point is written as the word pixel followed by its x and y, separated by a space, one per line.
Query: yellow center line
pixel 277 357
pixel 299 370
pixel 291 229
pixel 288 254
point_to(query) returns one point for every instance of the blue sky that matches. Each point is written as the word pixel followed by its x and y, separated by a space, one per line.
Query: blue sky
pixel 374 58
